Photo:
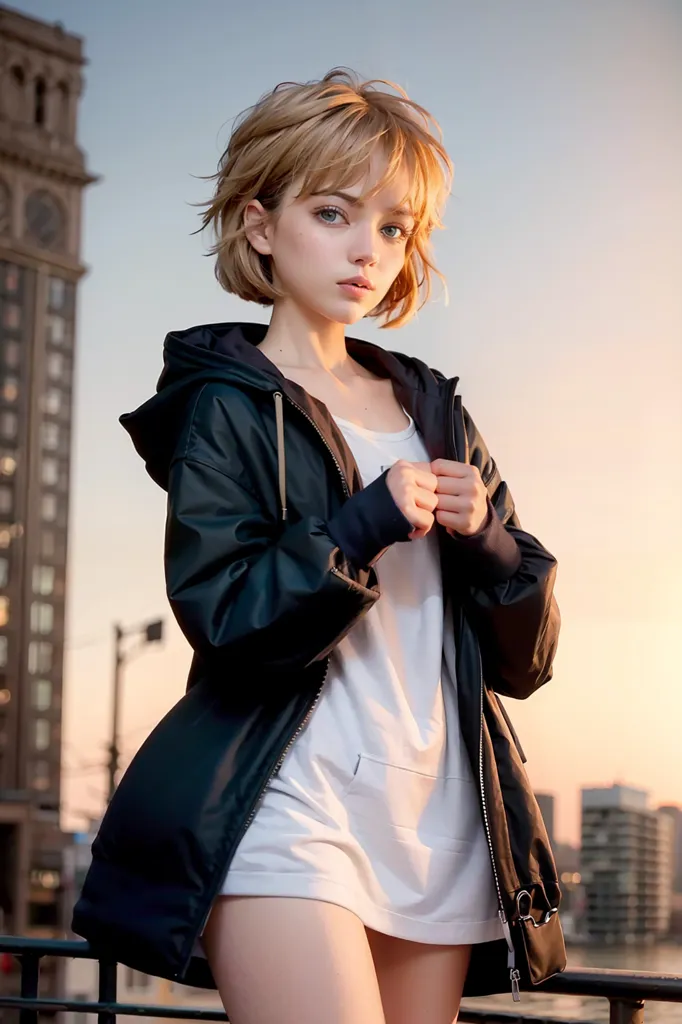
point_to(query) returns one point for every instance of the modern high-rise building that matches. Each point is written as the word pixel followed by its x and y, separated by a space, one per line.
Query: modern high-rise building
pixel 675 814
pixel 546 805
pixel 42 177
pixel 626 866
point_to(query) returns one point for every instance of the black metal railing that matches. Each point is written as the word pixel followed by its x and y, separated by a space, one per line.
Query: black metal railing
pixel 626 992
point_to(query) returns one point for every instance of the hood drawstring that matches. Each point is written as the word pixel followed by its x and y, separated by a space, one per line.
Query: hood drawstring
pixel 281 457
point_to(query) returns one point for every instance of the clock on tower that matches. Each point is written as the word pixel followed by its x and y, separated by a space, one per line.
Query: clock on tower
pixel 44 220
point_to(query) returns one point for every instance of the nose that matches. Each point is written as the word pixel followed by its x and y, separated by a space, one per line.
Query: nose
pixel 365 260
pixel 365 248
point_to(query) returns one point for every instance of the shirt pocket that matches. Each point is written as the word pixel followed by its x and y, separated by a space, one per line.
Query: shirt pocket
pixel 434 811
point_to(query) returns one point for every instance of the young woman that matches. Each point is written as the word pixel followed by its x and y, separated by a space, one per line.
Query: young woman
pixel 334 823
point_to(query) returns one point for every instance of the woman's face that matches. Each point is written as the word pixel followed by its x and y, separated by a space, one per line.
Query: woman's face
pixel 320 241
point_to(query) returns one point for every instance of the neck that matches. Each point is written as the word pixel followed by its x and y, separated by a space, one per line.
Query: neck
pixel 305 340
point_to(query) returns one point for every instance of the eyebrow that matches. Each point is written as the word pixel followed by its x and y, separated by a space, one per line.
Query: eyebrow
pixel 354 201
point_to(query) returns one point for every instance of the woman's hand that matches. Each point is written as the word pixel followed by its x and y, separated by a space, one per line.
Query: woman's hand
pixel 462 505
pixel 413 486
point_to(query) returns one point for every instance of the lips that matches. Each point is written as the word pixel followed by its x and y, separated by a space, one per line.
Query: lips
pixel 359 282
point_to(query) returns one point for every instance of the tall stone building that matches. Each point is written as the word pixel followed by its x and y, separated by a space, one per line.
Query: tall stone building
pixel 42 178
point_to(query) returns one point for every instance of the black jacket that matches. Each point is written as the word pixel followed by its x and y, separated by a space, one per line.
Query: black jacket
pixel 270 546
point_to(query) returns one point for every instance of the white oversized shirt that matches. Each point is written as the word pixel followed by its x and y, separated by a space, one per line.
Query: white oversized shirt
pixel 375 806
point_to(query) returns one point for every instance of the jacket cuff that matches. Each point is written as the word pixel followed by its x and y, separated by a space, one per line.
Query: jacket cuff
pixel 369 522
pixel 492 554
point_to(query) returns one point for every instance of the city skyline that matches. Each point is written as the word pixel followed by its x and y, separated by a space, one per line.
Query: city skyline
pixel 564 324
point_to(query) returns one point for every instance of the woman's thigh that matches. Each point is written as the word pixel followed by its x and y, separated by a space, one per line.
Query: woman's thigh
pixel 280 960
pixel 418 982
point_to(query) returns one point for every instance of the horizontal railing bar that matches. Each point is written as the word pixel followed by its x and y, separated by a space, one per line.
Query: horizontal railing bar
pixel 498 1017
pixel 608 984
pixel 129 1009
pixel 466 1016
pixel 76 949
pixel 604 984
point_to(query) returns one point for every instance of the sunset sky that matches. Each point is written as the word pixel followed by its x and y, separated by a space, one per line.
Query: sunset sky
pixel 563 254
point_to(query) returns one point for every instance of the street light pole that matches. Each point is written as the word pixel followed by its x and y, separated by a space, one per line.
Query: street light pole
pixel 115 711
pixel 150 632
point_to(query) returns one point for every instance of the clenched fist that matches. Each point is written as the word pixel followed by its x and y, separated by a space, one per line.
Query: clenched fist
pixel 462 503
pixel 413 486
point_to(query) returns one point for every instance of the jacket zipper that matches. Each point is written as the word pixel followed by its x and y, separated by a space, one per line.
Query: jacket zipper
pixel 344 483
pixel 299 729
pixel 514 974
pixel 273 771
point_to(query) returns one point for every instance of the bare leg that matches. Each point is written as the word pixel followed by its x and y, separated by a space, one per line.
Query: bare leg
pixel 280 960
pixel 418 982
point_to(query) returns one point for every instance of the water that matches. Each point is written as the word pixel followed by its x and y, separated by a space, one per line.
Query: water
pixel 659 959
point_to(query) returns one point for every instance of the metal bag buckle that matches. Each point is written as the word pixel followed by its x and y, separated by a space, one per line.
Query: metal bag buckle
pixel 528 916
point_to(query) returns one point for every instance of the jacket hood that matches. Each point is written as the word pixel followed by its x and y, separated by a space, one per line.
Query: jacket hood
pixel 229 352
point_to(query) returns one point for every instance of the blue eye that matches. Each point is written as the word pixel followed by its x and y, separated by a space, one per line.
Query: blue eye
pixel 329 209
pixel 403 232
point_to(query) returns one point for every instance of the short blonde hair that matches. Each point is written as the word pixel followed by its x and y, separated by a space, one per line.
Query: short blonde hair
pixel 324 134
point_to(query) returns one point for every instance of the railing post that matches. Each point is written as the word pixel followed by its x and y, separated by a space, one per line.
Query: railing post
pixel 30 976
pixel 107 991
pixel 626 1011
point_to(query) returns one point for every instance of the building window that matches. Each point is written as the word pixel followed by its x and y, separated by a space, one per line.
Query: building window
pixel 4 610
pixel 8 424
pixel 43 579
pixel 47 545
pixel 10 389
pixel 55 365
pixel 11 315
pixel 52 402
pixel 41 775
pixel 57 293
pixel 5 210
pixel 42 617
pixel 50 472
pixel 51 436
pixel 6 500
pixel 56 329
pixel 39 101
pixel 136 980
pixel 13 354
pixel 12 279
pixel 42 694
pixel 42 733
pixel 39 657
pixel 49 507
pixel 3 651
pixel 4 572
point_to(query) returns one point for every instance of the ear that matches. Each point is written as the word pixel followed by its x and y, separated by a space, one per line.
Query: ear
pixel 257 227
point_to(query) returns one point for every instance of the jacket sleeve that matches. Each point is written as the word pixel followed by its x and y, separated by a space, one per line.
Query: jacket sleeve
pixel 249 589
pixel 508 581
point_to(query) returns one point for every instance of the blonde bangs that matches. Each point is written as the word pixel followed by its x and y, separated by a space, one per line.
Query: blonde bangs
pixel 322 136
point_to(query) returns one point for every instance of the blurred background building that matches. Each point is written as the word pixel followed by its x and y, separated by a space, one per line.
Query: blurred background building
pixel 42 177
pixel 626 866
pixel 546 805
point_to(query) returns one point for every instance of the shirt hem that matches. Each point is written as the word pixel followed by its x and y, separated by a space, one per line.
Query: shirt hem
pixel 379 919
